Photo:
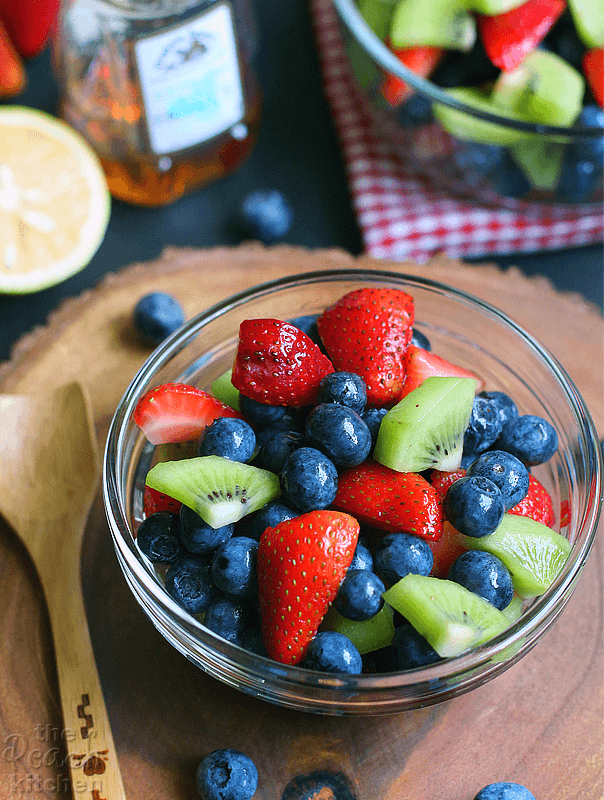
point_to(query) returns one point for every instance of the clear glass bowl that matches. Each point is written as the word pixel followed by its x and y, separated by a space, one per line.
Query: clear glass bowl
pixel 462 329
pixel 477 171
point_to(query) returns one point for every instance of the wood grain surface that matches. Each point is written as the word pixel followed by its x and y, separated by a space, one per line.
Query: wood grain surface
pixel 539 724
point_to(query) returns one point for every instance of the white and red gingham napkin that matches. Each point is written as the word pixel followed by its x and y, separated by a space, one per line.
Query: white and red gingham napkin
pixel 403 216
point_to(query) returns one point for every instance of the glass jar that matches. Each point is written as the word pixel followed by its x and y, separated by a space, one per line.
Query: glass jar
pixel 163 90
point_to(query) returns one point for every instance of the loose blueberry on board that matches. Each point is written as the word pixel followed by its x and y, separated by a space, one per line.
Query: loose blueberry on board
pixel 228 618
pixel 345 389
pixel 372 417
pixel 230 438
pixel 266 215
pixel 199 537
pixel 531 439
pixel 189 582
pixel 483 428
pixel 234 567
pixel 504 791
pixel 485 575
pixel 330 651
pixel 157 538
pixel 360 595
pixel 317 785
pixel 340 433
pixel 276 450
pixel 419 339
pixel 362 558
pixel 506 471
pixel 412 650
pixel 398 554
pixel 309 479
pixel 270 515
pixel 474 506
pixel 157 315
pixel 227 774
pixel 506 407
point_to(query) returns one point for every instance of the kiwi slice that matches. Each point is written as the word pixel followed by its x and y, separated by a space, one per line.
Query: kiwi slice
pixel 219 490
pixel 493 7
pixel 366 635
pixel 533 553
pixel 541 162
pixel 425 430
pixel 513 610
pixel 446 23
pixel 223 389
pixel 451 618
pixel 377 14
pixel 589 21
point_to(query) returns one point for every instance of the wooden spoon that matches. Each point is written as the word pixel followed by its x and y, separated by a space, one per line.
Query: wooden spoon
pixel 49 470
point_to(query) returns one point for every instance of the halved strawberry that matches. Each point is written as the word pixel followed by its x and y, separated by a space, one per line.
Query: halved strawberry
pixel 278 364
pixel 509 37
pixel 536 504
pixel 421 60
pixel 301 564
pixel 154 501
pixel 390 500
pixel 593 69
pixel 177 412
pixel 421 364
pixel 368 332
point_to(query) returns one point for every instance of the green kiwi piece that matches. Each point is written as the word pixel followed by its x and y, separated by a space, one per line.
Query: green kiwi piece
pixel 493 7
pixel 446 23
pixel 378 15
pixel 425 430
pixel 223 390
pixel 366 635
pixel 533 553
pixel 588 16
pixel 541 162
pixel 513 610
pixel 450 617
pixel 219 490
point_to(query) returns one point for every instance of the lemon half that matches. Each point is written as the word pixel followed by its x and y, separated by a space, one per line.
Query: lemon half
pixel 54 201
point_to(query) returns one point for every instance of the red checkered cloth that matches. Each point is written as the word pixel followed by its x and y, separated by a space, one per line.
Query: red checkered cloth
pixel 402 216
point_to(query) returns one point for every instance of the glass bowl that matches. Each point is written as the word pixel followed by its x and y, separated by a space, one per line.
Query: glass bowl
pixel 517 165
pixel 461 328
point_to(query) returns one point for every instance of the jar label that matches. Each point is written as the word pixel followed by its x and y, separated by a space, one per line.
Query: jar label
pixel 190 81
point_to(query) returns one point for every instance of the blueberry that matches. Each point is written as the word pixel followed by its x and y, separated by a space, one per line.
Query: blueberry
pixel 189 582
pixel 504 791
pixel 197 536
pixel 384 659
pixel 530 438
pixel 330 651
pixel 227 774
pixel 340 433
pixel 360 595
pixel 416 111
pixel 485 575
pixel 234 567
pixel 270 515
pixel 345 389
pixel 309 479
pixel 419 339
pixel 474 506
pixel 362 558
pixel 252 641
pixel 578 179
pixel 412 650
pixel 506 471
pixel 372 417
pixel 157 315
pixel 157 538
pixel 509 180
pixel 290 421
pixel 276 450
pixel 398 554
pixel 266 215
pixel 506 407
pixel 483 428
pixel 227 618
pixel 479 157
pixel 228 437
pixel 308 324
pixel 590 148
pixel 320 784
pixel 260 415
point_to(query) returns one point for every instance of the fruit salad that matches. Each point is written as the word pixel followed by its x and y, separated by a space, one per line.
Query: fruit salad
pixel 346 500
pixel 533 61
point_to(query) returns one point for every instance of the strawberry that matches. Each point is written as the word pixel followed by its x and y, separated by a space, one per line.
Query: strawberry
pixel 449 547
pixel 29 23
pixel 537 504
pixel 420 364
pixel 154 501
pixel 442 480
pixel 509 37
pixel 421 60
pixel 278 364
pixel 368 332
pixel 177 412
pixel 301 564
pixel 391 501
pixel 593 69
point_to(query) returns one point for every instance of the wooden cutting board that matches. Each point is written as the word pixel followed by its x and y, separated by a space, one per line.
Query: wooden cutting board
pixel 539 724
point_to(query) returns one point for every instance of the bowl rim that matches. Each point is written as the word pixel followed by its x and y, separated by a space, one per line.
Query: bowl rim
pixel 354 21
pixel 541 613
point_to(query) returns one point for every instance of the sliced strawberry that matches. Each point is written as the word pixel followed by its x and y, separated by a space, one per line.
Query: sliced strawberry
pixel 421 60
pixel 593 69
pixel 421 364
pixel 154 501
pixel 177 412
pixel 390 500
pixel 509 37
pixel 442 480
pixel 368 332
pixel 446 550
pixel 278 364
pixel 301 564
pixel 537 504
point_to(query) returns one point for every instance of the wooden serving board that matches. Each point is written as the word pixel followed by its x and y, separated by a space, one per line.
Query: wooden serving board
pixel 539 724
